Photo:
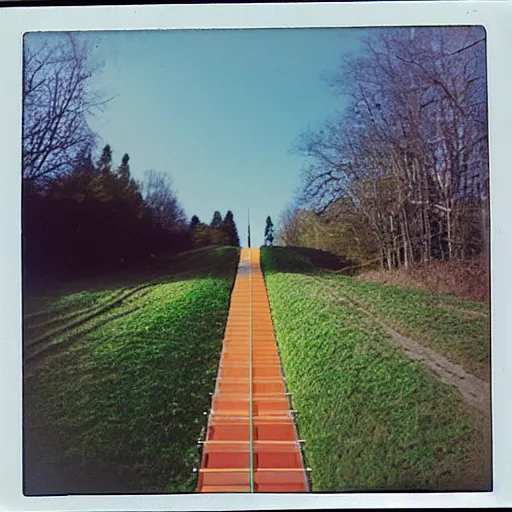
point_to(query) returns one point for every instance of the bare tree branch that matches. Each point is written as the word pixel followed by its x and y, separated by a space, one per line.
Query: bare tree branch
pixel 56 102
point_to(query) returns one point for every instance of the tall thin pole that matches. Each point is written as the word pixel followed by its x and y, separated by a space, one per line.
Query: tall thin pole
pixel 248 229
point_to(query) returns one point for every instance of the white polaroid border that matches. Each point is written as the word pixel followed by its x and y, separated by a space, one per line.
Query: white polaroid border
pixel 495 16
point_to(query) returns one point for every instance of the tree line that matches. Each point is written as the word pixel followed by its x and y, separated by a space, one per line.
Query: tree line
pixel 220 231
pixel 401 175
pixel 83 212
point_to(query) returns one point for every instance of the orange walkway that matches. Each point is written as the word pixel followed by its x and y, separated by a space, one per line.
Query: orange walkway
pixel 251 443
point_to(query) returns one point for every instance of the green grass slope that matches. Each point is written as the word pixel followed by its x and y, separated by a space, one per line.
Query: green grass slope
pixel 372 419
pixel 117 380
pixel 459 329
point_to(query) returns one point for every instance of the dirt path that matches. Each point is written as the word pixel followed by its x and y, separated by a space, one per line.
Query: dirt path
pixel 473 390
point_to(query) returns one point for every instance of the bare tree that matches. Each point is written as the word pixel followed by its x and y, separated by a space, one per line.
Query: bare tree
pixel 409 153
pixel 57 101
pixel 161 198
pixel 288 231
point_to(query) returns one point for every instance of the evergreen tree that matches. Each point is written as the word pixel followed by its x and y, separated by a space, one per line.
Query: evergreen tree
pixel 194 222
pixel 269 232
pixel 94 217
pixel 216 220
pixel 84 164
pixel 129 189
pixel 123 171
pixel 75 184
pixel 105 160
pixel 230 230
pixel 101 185
pixel 203 235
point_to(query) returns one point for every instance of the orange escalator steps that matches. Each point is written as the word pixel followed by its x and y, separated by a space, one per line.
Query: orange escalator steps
pixel 270 432
pixel 251 442
pixel 228 459
pixel 271 459
pixel 225 478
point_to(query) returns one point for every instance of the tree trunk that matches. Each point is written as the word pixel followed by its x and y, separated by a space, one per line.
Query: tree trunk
pixel 389 258
pixel 449 234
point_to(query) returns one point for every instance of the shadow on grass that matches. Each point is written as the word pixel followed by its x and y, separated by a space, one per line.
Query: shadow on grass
pixel 303 260
pixel 48 473
pixel 155 386
pixel 193 264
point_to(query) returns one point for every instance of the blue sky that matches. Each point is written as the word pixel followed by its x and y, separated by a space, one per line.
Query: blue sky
pixel 219 111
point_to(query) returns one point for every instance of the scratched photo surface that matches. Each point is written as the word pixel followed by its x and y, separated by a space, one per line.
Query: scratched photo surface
pixel 256 261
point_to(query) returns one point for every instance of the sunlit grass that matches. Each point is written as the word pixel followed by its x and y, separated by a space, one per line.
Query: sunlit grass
pixel 129 394
pixel 440 322
pixel 371 418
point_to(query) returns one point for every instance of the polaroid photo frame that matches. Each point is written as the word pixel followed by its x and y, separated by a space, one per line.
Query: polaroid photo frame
pixel 25 29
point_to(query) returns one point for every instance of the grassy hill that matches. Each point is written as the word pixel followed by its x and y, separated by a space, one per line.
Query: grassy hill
pixel 372 418
pixel 118 372
pixel 117 375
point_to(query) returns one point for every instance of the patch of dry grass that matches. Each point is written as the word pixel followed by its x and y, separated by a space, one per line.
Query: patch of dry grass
pixel 463 279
